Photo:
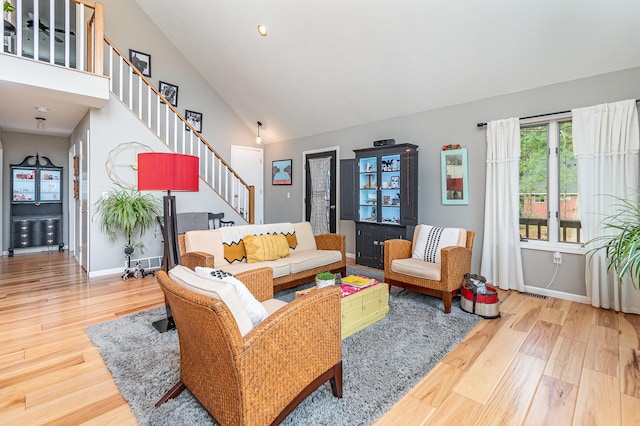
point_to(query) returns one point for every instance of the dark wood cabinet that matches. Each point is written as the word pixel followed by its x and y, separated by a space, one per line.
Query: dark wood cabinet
pixel 384 186
pixel 36 204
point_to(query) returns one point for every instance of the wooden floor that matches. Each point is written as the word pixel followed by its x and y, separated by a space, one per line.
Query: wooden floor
pixel 546 361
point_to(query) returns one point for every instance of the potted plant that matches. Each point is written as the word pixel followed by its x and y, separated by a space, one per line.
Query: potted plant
pixel 125 212
pixel 622 242
pixel 324 279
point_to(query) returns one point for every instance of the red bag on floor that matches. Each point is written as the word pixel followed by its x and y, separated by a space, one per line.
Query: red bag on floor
pixel 479 298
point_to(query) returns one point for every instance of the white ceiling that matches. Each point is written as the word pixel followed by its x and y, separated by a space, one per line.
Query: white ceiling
pixel 332 64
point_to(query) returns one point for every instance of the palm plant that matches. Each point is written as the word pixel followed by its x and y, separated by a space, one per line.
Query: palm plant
pixel 8 7
pixel 126 211
pixel 622 244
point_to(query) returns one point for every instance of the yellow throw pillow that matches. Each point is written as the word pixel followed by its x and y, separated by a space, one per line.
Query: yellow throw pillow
pixel 265 247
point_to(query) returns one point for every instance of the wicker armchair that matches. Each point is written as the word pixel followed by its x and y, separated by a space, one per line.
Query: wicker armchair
pixel 456 261
pixel 260 378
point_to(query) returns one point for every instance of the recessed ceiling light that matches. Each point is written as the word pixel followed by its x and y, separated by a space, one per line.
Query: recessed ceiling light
pixel 262 30
pixel 42 109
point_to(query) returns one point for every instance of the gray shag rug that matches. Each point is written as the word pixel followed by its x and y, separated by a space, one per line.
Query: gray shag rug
pixel 380 363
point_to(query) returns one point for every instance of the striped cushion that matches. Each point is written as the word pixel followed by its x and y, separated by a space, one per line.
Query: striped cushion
pixel 431 239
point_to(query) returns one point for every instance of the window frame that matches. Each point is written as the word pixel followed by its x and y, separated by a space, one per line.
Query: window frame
pixel 553 186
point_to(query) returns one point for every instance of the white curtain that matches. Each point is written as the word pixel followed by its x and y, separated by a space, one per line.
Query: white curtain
pixel 605 142
pixel 501 259
pixel 319 171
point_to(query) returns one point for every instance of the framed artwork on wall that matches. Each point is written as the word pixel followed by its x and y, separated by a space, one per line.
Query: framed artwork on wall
pixel 195 119
pixel 142 61
pixel 170 92
pixel 455 178
pixel 281 172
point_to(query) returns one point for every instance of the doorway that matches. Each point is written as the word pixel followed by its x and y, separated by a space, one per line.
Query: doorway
pixel 321 182
pixel 248 163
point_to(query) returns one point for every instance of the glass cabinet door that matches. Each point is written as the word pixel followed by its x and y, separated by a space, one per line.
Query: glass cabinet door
pixel 24 185
pixel 50 185
pixel 368 189
pixel 390 188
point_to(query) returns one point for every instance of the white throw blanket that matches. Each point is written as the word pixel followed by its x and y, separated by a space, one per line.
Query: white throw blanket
pixel 431 239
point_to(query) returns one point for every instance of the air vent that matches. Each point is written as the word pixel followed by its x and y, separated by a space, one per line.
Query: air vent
pixel 539 296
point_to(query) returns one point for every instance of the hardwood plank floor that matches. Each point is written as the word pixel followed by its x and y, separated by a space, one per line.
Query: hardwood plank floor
pixel 546 361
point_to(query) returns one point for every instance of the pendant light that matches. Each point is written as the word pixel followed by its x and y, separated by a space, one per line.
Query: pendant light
pixel 258 138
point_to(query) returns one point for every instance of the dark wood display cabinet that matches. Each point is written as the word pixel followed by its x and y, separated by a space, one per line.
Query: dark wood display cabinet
pixel 36 204
pixel 380 188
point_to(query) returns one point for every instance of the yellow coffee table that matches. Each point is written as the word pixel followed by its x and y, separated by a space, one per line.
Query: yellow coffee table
pixel 362 309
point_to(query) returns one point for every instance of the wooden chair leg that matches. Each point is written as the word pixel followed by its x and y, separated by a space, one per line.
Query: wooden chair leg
pixel 172 393
pixel 336 380
pixel 447 297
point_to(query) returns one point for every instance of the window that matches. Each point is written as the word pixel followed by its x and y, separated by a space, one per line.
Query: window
pixel 548 183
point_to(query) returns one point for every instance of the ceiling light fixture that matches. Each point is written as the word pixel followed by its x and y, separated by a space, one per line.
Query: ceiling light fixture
pixel 40 122
pixel 258 138
pixel 42 109
pixel 262 30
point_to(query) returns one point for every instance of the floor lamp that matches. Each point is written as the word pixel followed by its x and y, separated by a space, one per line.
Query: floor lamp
pixel 160 171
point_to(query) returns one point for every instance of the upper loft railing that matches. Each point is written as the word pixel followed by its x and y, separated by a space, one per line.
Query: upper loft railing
pixel 163 119
pixel 75 32
pixel 72 32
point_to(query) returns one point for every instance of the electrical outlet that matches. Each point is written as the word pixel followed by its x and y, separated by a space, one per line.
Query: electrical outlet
pixel 557 257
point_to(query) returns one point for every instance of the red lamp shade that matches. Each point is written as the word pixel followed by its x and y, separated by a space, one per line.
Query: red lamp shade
pixel 161 171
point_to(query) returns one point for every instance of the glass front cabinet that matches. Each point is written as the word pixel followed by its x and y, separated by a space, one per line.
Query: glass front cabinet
pixel 36 204
pixel 385 183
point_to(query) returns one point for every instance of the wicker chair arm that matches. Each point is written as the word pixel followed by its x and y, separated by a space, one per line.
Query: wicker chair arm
pixel 332 242
pixel 395 249
pixel 259 282
pixel 196 258
pixel 456 261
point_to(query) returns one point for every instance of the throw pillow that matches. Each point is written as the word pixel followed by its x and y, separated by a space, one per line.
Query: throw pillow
pixel 431 239
pixel 209 287
pixel 254 308
pixel 265 247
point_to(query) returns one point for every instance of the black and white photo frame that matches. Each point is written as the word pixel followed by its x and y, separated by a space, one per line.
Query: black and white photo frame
pixel 193 118
pixel 142 61
pixel 170 92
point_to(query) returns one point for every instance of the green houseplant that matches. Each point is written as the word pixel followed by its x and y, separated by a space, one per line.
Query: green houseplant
pixel 622 242
pixel 8 7
pixel 125 212
pixel 324 279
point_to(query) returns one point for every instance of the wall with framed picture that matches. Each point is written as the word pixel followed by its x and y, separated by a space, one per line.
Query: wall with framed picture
pixel 281 172
pixel 455 177
pixel 193 118
pixel 142 61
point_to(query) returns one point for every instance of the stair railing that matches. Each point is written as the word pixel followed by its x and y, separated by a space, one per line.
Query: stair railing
pixel 139 95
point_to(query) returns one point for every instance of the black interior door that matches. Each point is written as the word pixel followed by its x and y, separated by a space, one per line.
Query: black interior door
pixel 331 187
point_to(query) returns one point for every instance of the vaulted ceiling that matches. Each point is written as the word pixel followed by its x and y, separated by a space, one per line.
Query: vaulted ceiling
pixel 331 64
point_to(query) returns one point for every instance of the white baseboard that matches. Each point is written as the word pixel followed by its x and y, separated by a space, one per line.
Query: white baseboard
pixel 557 294
pixel 38 249
pixel 350 255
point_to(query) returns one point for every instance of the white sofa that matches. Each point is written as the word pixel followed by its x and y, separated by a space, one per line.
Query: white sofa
pixel 311 255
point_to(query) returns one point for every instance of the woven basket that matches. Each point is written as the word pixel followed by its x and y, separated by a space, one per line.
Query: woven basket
pixel 486 305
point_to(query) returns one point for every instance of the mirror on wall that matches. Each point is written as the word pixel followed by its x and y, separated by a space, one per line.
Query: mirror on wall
pixel 455 178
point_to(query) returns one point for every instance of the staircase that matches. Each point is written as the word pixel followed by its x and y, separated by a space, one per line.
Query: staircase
pixel 95 53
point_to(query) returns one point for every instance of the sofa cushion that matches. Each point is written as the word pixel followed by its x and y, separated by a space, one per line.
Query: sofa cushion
pixel 417 268
pixel 233 238
pixel 210 287
pixel 429 240
pixel 255 309
pixel 304 234
pixel 265 247
pixel 280 267
pixel 272 305
pixel 302 261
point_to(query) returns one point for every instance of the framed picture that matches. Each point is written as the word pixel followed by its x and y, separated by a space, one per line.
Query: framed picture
pixel 195 119
pixel 170 92
pixel 281 172
pixel 76 165
pixel 455 178
pixel 141 61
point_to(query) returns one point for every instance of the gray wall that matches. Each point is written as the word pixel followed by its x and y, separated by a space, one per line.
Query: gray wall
pixel 456 125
